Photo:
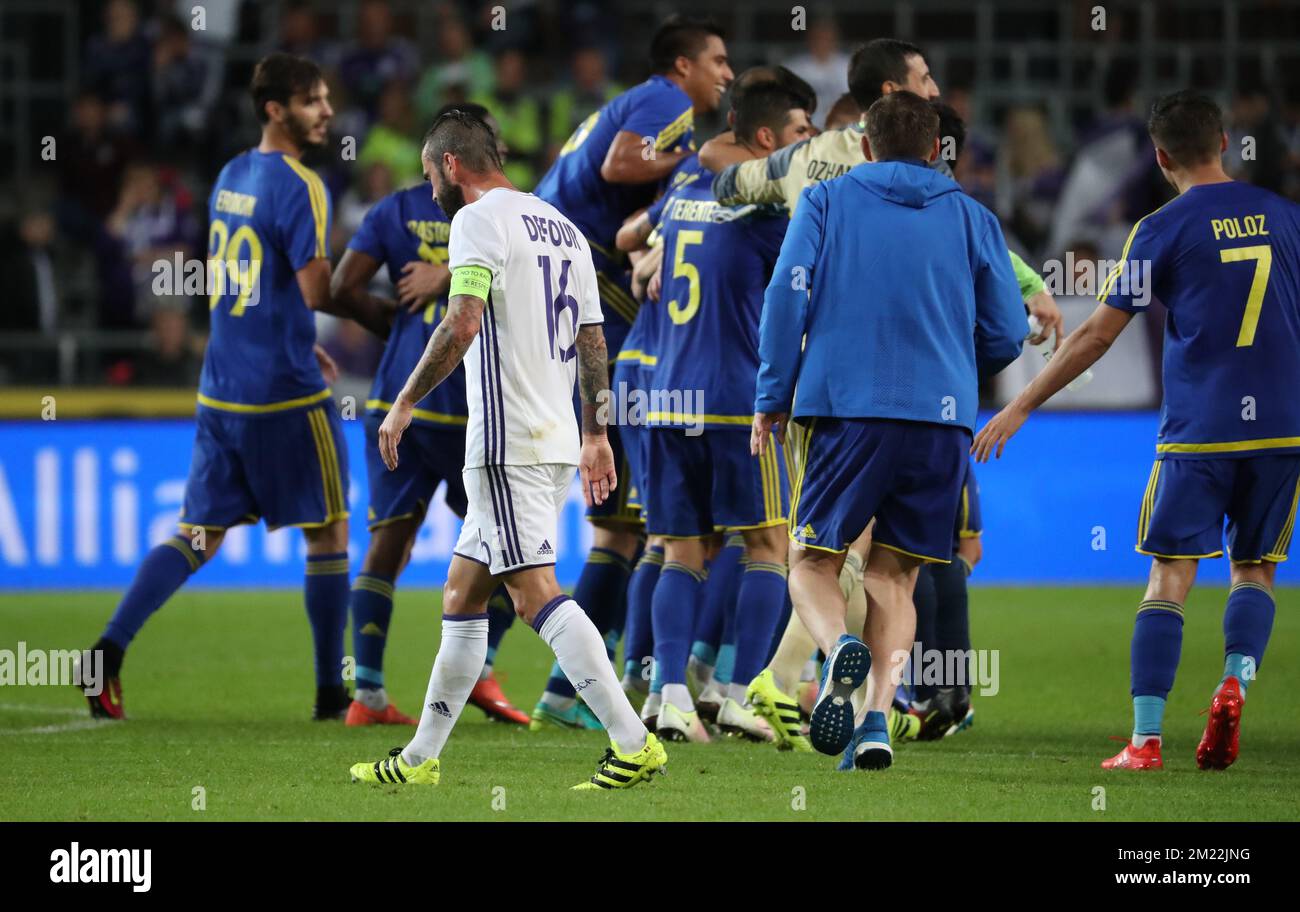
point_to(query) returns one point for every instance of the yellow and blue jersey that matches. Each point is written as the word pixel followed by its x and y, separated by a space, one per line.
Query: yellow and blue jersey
pixel 1224 259
pixel 269 216
pixel 404 227
pixel 717 263
pixel 657 110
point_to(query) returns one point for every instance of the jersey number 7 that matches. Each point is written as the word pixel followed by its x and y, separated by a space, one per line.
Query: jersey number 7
pixel 1263 257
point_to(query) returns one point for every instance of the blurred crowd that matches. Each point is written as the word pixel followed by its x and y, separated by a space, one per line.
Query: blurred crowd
pixel 162 106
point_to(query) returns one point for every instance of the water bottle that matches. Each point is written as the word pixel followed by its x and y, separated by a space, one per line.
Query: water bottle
pixel 1044 350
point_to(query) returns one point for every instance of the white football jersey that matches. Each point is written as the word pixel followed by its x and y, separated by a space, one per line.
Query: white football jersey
pixel 521 367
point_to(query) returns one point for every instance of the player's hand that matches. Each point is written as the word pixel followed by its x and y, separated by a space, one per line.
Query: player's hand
pixel 596 469
pixel 328 368
pixel 1044 307
pixel 762 428
pixel 390 432
pixel 654 286
pixel 993 437
pixel 421 281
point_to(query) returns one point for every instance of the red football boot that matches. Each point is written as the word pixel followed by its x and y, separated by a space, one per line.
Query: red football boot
pixel 488 697
pixel 107 704
pixel 360 714
pixel 1218 747
pixel 1146 757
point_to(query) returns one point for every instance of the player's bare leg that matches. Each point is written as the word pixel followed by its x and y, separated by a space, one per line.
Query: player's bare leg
pixel 326 591
pixel 818 599
pixel 1247 622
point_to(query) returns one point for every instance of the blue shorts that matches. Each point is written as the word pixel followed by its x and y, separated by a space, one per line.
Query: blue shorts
pixel 289 468
pixel 1187 500
pixel 970 521
pixel 427 456
pixel 907 474
pixel 710 482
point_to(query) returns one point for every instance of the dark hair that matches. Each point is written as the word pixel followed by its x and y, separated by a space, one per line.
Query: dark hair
pixel 784 77
pixel 280 76
pixel 464 134
pixel 1188 126
pixel 902 125
pixel 950 125
pixel 680 36
pixel 878 61
pixel 844 106
pixel 1119 83
pixel 767 104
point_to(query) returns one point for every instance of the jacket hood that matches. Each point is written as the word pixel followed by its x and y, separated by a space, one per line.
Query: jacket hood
pixel 907 183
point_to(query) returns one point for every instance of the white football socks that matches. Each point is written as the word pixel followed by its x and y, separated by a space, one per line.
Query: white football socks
pixel 455 672
pixel 680 696
pixel 737 692
pixel 375 698
pixel 580 650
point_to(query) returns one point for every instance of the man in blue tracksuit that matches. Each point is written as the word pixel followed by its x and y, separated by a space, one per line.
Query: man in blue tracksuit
pixel 900 288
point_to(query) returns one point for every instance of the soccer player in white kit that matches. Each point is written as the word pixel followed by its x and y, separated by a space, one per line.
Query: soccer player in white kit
pixel 524 314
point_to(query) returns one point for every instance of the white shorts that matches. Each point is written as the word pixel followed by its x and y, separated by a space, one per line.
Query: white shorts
pixel 513 515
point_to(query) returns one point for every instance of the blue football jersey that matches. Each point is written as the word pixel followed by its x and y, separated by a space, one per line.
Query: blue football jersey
pixel 1224 259
pixel 656 108
pixel 404 227
pixel 717 263
pixel 269 216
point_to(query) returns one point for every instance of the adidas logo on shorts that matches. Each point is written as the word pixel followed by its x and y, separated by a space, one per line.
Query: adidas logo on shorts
pixel 440 708
pixel 545 549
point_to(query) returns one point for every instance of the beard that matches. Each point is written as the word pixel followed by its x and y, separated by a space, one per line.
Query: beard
pixel 300 133
pixel 450 196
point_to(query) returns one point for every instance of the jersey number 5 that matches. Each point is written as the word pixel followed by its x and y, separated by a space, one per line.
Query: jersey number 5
pixel 228 273
pixel 1263 257
pixel 676 311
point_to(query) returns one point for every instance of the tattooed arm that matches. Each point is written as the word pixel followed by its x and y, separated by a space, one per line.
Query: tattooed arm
pixel 596 464
pixel 446 348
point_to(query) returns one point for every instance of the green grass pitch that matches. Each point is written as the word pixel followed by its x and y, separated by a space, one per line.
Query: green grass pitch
pixel 218 690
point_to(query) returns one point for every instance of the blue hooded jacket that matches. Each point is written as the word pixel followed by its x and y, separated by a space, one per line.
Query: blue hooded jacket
pixel 900 288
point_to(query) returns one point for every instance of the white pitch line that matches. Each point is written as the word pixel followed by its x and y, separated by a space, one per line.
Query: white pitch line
pixel 37 708
pixel 79 725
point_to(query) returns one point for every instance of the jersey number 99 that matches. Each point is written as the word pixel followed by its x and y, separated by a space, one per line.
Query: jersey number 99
pixel 228 272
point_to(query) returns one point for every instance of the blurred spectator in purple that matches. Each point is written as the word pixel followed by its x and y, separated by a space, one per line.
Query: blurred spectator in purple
pixel 91 160
pixel 153 222
pixel 374 183
pixel 976 170
pixel 179 82
pixel 377 58
pixel 519 115
pixel 117 64
pixel 460 70
pixel 1113 180
pixel 299 34
pixel 583 94
pixel 1257 151
pixel 1029 176
pixel 822 64
pixel 391 141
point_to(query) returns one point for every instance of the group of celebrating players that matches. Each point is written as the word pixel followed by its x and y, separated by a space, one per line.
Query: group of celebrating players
pixel 789 478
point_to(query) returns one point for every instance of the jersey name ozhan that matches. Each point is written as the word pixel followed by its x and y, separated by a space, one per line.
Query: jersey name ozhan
pixel 404 227
pixel 269 216
pixel 532 267
pixel 1224 259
